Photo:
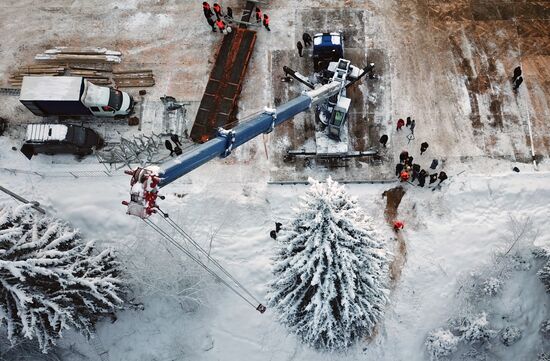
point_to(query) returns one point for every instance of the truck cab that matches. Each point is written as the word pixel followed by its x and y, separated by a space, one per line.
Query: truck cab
pixel 106 102
pixel 327 47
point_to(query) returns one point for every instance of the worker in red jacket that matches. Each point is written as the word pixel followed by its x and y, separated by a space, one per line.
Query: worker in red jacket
pixel 221 25
pixel 397 225
pixel 218 10
pixel 400 124
pixel 258 15
pixel 404 176
pixel 266 22
pixel 206 9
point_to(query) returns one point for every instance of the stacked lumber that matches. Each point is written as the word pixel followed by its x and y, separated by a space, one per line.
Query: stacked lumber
pixel 16 78
pixel 98 77
pixel 80 55
pixel 133 78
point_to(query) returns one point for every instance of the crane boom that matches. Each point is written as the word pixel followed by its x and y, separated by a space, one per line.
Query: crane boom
pixel 146 182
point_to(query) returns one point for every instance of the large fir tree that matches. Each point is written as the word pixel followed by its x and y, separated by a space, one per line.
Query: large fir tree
pixel 50 280
pixel 330 274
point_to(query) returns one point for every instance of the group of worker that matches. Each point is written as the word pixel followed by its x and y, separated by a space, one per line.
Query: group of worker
pixel 219 23
pixel 407 171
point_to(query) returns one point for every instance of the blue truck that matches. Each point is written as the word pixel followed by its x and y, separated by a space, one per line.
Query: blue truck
pixel 327 47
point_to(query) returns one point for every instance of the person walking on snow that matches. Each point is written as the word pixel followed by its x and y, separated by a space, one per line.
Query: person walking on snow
pixel 413 125
pixel 403 156
pixel 300 48
pixel 218 10
pixel 266 22
pixel 307 39
pixel 423 147
pixel 206 9
pixel 400 124
pixel 408 121
pixel 258 15
pixel 442 177
pixel 415 172
pixel 229 13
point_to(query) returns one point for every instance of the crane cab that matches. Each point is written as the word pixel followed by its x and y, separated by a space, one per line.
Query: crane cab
pixel 338 117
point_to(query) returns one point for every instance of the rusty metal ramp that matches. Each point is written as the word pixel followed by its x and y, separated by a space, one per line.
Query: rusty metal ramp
pixel 218 106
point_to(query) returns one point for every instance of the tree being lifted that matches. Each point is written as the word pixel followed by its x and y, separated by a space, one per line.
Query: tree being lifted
pixel 50 280
pixel 331 270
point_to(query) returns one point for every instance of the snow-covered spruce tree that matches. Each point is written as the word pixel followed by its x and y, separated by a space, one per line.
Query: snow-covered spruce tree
pixel 509 335
pixel 50 280
pixel 441 343
pixel 330 270
pixel 476 330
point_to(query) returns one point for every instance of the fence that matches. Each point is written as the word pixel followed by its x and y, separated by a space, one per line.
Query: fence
pixel 69 174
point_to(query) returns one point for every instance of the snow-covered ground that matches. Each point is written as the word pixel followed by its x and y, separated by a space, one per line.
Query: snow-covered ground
pixel 450 234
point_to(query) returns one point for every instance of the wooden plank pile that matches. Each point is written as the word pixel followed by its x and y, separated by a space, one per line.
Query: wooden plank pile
pixel 95 75
pixel 133 78
pixel 16 78
pixel 82 55
pixel 92 63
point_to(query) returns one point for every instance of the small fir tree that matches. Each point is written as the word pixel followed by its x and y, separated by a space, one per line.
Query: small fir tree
pixel 441 343
pixel 50 280
pixel 330 270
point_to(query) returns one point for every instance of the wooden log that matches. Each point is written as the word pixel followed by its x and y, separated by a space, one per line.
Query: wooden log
pixel 79 58
pixel 82 50
pixel 134 83
pixel 128 71
pixel 133 76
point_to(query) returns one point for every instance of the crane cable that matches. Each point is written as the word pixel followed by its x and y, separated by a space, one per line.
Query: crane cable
pixel 261 308
pixel 185 235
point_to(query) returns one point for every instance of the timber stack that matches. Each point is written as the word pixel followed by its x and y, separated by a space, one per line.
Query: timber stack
pixel 133 78
pixel 16 78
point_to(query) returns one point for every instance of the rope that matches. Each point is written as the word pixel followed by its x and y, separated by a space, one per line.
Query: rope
pixel 203 251
pixel 166 236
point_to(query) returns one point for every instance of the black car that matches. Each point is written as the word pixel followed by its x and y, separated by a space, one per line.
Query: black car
pixel 60 139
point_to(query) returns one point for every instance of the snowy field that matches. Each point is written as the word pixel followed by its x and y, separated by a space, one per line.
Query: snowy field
pixel 450 235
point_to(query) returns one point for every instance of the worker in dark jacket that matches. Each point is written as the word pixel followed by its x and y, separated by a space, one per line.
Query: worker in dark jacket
pixel 266 22
pixel 384 140
pixel 212 23
pixel 422 178
pixel 398 168
pixel 307 39
pixel 433 178
pixel 442 177
pixel 423 147
pixel 300 48
pixel 229 13
pixel 403 156
pixel 415 171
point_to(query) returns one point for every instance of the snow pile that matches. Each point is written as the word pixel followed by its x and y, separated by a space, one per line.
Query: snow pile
pixel 509 335
pixel 330 270
pixel 49 280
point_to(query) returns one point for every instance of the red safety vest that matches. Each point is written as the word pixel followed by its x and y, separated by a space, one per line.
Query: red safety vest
pixel 217 8
pixel 206 7
pixel 258 14
pixel 266 20
pixel 220 24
